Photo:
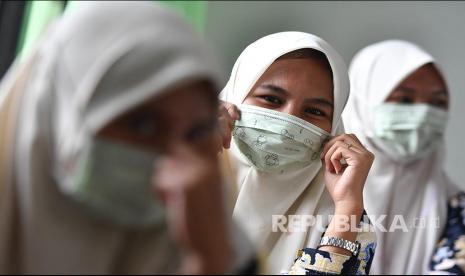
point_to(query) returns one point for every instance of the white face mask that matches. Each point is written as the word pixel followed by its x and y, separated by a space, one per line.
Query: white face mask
pixel 114 181
pixel 276 142
pixel 407 133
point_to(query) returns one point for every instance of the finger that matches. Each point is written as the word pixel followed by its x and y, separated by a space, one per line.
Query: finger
pixel 227 141
pixel 225 133
pixel 349 141
pixel 354 147
pixel 163 177
pixel 339 154
pixel 224 114
pixel 358 144
pixel 356 139
pixel 328 163
pixel 232 109
pixel 165 185
pixel 331 142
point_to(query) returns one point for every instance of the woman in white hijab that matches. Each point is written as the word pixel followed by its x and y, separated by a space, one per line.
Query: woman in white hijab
pixel 398 109
pixel 108 92
pixel 290 89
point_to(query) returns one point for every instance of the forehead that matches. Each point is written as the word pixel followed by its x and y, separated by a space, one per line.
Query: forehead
pixel 306 68
pixel 187 100
pixel 427 75
pixel 181 93
pixel 300 76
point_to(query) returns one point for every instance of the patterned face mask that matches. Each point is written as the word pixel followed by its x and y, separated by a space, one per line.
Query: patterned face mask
pixel 276 142
pixel 408 132
pixel 114 181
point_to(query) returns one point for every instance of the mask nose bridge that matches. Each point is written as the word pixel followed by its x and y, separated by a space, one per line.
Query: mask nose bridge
pixel 291 109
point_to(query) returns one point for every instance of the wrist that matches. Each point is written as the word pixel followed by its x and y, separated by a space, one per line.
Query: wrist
pixel 349 208
pixel 199 264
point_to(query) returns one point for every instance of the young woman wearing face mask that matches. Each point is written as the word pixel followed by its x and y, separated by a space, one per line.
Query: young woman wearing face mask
pixel 399 110
pixel 98 113
pixel 283 106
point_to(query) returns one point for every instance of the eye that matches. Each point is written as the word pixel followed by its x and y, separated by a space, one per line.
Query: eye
pixel 401 97
pixel 143 125
pixel 272 100
pixel 315 111
pixel 201 131
pixel 440 103
pixel 405 100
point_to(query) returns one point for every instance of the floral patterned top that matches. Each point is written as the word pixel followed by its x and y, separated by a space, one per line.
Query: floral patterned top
pixel 316 262
pixel 449 256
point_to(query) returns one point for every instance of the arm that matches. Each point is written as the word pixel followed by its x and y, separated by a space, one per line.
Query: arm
pixel 197 220
pixel 345 184
pixel 312 261
pixel 449 255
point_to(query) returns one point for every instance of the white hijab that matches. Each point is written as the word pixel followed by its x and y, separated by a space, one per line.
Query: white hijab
pixel 99 61
pixel 419 190
pixel 298 193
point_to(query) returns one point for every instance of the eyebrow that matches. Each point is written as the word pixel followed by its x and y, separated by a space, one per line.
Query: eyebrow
pixel 321 101
pixel 275 88
pixel 441 93
pixel 280 90
pixel 410 90
pixel 405 89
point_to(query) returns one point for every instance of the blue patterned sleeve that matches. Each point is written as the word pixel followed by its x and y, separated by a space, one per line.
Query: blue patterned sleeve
pixel 312 261
pixel 449 255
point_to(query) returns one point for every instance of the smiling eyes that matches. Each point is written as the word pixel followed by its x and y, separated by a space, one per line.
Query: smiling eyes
pixel 315 111
pixel 272 99
pixel 275 102
pixel 439 102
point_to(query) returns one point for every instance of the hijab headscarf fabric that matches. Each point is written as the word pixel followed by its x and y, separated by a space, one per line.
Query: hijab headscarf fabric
pixel 300 192
pixel 96 63
pixel 418 190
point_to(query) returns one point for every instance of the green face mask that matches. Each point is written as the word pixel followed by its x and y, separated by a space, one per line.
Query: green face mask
pixel 277 142
pixel 408 132
pixel 114 181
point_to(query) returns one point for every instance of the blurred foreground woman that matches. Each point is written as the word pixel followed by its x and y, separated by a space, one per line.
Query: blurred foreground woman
pixel 399 109
pixel 116 97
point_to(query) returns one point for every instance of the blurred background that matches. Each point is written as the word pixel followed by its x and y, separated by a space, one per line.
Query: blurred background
pixel 229 26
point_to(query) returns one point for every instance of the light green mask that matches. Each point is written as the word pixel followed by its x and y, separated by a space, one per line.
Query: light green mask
pixel 277 142
pixel 114 181
pixel 408 132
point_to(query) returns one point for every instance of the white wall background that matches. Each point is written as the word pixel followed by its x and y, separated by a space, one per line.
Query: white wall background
pixel 439 27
